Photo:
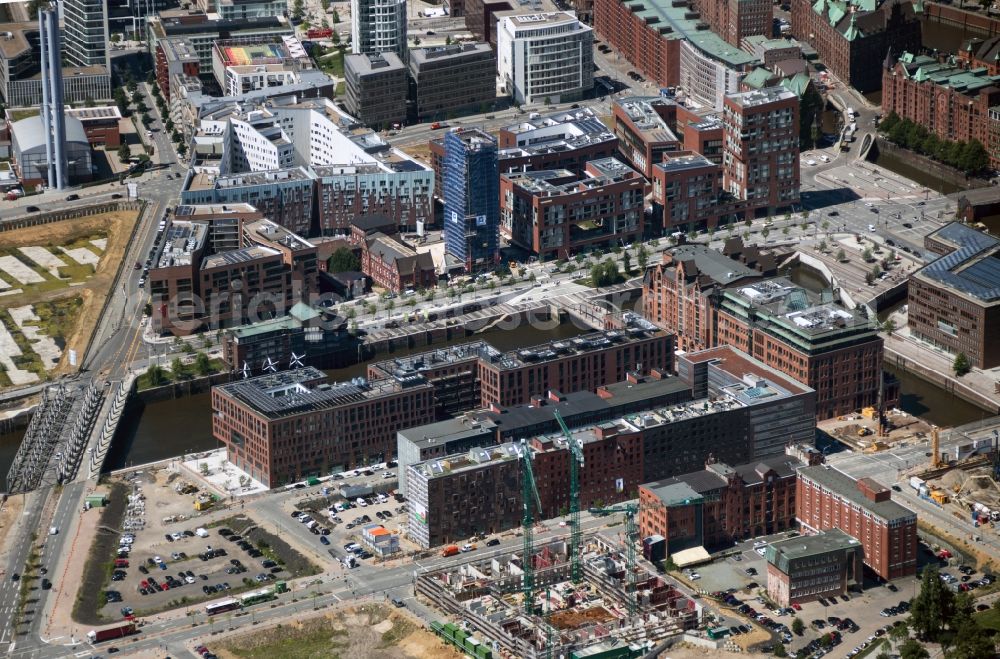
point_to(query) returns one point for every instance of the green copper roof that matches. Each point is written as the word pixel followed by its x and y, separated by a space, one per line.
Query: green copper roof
pixel 662 14
pixel 820 7
pixel 797 84
pixel 758 78
pixel 836 12
pixel 852 31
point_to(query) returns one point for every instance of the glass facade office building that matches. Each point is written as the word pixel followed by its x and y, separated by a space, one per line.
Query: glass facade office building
pixel 471 183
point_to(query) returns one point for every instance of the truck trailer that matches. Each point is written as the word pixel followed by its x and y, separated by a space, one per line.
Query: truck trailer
pixel 108 633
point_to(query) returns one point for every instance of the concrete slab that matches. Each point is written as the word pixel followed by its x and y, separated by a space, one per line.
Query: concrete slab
pixel 44 258
pixel 19 271
pixel 82 255
pixel 222 475
pixel 100 243
pixel 9 350
pixel 4 285
pixel 43 345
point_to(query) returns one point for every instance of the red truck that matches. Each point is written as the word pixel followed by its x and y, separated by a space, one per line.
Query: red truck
pixel 118 631
pixel 319 33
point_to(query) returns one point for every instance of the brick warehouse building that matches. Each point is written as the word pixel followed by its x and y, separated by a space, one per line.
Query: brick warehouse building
pixel 951 100
pixel 284 426
pixel 709 300
pixel 720 505
pixel 850 36
pixel 734 20
pixel 829 499
pixel 477 375
pixel 954 302
pixel 806 568
pixel 741 411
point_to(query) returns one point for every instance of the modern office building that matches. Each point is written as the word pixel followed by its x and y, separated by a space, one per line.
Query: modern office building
pixel 285 426
pixel 202 30
pixel 308 166
pixel 436 72
pixel 545 58
pixel 806 568
pixel 761 152
pixel 830 499
pixel 376 87
pixel 720 505
pixel 85 24
pixel 950 98
pixel 471 183
pixel 496 425
pixel 667 42
pixel 243 66
pixel 737 413
pixel 241 10
pixel 53 117
pixel 305 337
pixel 20 70
pixel 556 214
pixel 851 37
pixel 954 301
pixel 378 26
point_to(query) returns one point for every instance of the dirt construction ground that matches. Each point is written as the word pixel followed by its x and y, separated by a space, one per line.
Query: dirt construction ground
pixel 117 226
pixel 373 632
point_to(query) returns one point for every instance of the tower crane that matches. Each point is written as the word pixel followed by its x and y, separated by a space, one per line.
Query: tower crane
pixel 631 537
pixel 575 447
pixel 529 497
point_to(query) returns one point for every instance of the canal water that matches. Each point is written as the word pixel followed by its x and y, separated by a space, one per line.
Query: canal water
pixel 168 428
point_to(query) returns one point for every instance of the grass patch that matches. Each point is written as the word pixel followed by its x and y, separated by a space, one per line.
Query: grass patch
pixel 188 371
pixel 341 89
pixel 871 650
pixel 56 318
pixel 18 115
pixel 100 561
pixel 313 639
pixel 28 360
pixel 76 272
pixel 332 63
pixel 989 619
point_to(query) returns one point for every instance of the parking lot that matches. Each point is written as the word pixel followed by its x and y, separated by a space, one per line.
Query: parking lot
pixel 181 559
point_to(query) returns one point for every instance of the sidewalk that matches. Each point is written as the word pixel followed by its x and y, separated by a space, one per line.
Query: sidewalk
pixel 908 353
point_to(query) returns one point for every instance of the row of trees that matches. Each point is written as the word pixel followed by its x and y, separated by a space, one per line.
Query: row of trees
pixel 939 615
pixel 158 376
pixel 970 157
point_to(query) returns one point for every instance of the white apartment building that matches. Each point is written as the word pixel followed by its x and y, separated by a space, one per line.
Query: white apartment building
pixel 545 56
pixel 257 144
pixel 378 26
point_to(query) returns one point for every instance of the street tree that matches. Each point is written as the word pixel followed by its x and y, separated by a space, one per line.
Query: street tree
pixel 177 368
pixel 124 152
pixel 841 255
pixel 961 365
pixel 913 649
pixel 642 257
pixel 343 260
pixel 798 626
pixel 202 364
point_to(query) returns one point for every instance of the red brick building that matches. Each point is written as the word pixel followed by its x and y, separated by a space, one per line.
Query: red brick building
pixel 555 214
pixel 289 425
pixel 734 20
pixel 174 56
pixel 721 504
pixel 806 568
pixel 761 154
pixel 567 139
pixel 711 299
pixel 829 499
pixel 640 41
pixel 851 37
pixel 583 363
pixel 677 291
pixel 951 101
pixel 689 194
pixel 395 266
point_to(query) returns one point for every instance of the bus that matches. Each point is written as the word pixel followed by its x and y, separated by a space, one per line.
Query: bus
pixel 260 596
pixel 221 607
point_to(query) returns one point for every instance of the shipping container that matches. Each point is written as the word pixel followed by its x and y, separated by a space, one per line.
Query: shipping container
pixel 916 482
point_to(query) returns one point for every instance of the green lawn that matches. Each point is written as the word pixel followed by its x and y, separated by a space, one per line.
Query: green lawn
pixel 988 619
pixel 57 318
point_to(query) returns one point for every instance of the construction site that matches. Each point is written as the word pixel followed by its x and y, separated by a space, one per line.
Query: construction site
pixel 615 608
pixel 588 596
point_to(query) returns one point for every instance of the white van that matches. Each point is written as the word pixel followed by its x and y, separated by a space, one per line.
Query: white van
pixel 361 502
pixel 201 533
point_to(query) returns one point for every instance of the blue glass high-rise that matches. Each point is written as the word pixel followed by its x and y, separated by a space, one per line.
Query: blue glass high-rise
pixel 471 183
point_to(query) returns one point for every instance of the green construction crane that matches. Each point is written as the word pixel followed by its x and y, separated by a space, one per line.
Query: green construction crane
pixel 631 537
pixel 529 497
pixel 575 462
